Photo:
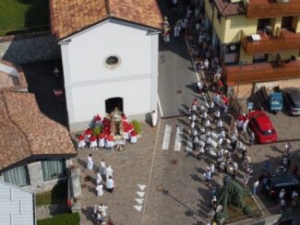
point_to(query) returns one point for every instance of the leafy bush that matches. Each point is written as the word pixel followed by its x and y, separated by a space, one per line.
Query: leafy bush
pixel 63 219
pixel 97 130
pixel 247 210
pixel 137 126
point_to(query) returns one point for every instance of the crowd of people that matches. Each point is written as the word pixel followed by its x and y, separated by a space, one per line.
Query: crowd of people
pixel 104 177
pixel 194 28
pixel 105 139
pixel 210 136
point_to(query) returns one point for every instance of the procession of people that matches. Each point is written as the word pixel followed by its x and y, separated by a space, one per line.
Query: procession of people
pixel 104 182
pixel 210 132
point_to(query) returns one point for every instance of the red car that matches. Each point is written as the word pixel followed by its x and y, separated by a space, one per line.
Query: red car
pixel 262 127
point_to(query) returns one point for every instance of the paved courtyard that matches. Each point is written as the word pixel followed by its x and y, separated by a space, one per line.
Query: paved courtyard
pixel 175 192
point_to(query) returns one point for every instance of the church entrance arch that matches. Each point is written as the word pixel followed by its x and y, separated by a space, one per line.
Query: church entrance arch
pixel 112 103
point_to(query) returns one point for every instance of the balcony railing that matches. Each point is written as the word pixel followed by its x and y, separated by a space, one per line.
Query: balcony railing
pixel 286 40
pixel 262 72
pixel 268 9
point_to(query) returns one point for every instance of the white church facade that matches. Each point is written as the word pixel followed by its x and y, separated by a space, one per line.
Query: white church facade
pixel 110 62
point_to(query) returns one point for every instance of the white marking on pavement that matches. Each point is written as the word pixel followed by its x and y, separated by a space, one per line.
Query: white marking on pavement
pixel 189 146
pixel 167 137
pixel 141 186
pixel 139 200
pixel 141 194
pixel 177 145
pixel 138 207
pixel 159 106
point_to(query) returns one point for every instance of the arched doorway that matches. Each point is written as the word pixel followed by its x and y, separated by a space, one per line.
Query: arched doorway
pixel 112 103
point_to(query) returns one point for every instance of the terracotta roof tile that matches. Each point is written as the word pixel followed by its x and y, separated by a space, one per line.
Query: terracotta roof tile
pixel 226 8
pixel 11 76
pixel 69 17
pixel 25 133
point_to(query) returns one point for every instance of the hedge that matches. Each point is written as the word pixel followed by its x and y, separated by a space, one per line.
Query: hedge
pixel 63 219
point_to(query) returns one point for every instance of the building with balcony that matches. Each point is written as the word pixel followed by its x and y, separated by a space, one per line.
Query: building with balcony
pixel 257 40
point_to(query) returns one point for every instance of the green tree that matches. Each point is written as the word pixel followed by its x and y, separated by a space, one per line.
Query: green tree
pixel 232 194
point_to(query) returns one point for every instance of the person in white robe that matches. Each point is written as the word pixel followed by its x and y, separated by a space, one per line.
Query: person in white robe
pixel 126 134
pixel 102 168
pixel 109 144
pixel 133 137
pixel 101 141
pixel 98 178
pixel 87 135
pixel 103 209
pixel 90 162
pixel 99 189
pixel 109 172
pixel 110 184
pixel 93 142
pixel 81 142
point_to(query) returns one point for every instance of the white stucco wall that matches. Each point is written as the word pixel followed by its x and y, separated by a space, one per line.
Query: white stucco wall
pixel 135 94
pixel 89 82
pixel 88 52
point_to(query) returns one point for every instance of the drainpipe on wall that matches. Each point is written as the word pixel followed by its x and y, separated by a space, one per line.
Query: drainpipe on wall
pixel 239 81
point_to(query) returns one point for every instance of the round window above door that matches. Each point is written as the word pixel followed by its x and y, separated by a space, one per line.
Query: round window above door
pixel 112 62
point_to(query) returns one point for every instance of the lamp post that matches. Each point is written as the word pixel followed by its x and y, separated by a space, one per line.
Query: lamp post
pixel 239 80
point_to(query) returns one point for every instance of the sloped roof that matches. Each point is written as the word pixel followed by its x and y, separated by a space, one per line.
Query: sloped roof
pixel 71 16
pixel 11 76
pixel 26 132
pixel 226 8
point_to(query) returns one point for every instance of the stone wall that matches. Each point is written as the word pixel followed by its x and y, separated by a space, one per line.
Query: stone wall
pixel 28 50
pixel 37 183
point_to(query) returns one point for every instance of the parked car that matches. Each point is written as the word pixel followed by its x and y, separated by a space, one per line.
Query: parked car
pixel 292 102
pixel 273 97
pixel 262 127
pixel 274 184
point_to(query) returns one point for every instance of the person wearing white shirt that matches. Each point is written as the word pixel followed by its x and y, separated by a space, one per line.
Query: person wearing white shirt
pixel 200 152
pixel 103 209
pixel 177 30
pixel 212 169
pixel 219 124
pixel 193 117
pixel 222 134
pixel 217 115
pixel 211 106
pixel 204 115
pixel 193 108
pixel 206 123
